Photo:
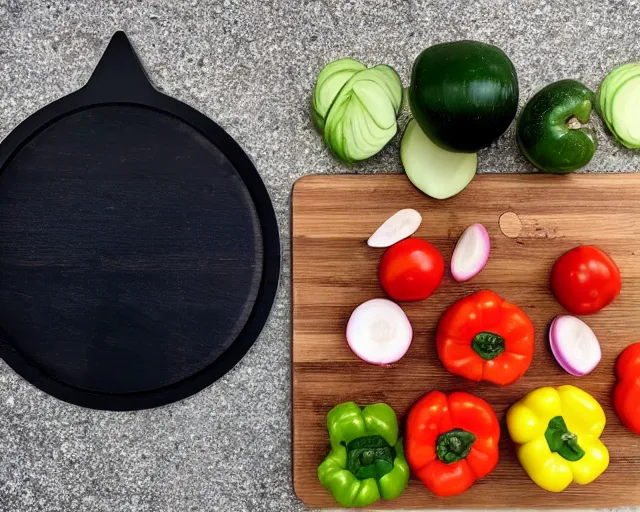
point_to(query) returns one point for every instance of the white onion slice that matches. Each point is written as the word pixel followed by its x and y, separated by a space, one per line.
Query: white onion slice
pixel 399 226
pixel 574 345
pixel 379 332
pixel 471 253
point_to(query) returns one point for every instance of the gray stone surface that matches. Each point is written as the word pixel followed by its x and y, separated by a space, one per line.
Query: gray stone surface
pixel 250 65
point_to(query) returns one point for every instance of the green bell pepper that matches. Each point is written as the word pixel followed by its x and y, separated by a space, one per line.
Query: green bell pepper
pixel 550 129
pixel 367 460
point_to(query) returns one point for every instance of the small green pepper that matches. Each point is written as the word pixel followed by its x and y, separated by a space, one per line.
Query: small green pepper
pixel 550 129
pixel 366 461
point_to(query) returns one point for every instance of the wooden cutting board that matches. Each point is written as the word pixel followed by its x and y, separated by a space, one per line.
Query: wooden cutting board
pixel 531 219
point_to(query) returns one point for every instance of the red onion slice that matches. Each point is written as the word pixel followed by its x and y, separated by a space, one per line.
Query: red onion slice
pixel 471 253
pixel 574 345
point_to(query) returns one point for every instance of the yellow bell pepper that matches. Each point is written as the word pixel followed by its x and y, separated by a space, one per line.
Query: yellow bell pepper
pixel 557 433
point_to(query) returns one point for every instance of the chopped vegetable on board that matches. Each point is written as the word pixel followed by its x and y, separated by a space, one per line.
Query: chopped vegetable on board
pixel 379 332
pixel 367 460
pixel 626 396
pixel 411 269
pixel 484 337
pixel 451 441
pixel 585 280
pixel 574 345
pixel 399 226
pixel 557 433
pixel 471 253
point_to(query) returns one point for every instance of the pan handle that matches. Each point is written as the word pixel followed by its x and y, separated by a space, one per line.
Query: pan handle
pixel 119 75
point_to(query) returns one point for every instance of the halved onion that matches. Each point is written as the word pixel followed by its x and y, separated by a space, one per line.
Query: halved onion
pixel 379 332
pixel 471 253
pixel 399 226
pixel 574 345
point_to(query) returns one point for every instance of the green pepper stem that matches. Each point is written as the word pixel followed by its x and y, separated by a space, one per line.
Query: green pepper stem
pixel 573 123
pixel 562 441
pixel 370 457
pixel 454 445
pixel 488 345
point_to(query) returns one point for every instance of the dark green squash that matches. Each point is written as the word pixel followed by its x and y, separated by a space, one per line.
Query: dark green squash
pixel 464 94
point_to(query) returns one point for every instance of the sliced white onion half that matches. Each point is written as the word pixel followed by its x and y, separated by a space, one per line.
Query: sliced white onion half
pixel 379 332
pixel 399 226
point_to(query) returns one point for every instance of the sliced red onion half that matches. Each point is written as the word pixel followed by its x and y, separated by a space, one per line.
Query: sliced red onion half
pixel 379 332
pixel 471 253
pixel 574 345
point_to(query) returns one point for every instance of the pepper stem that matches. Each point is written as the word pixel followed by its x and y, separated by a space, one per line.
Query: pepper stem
pixel 454 445
pixel 370 457
pixel 562 441
pixel 573 123
pixel 488 345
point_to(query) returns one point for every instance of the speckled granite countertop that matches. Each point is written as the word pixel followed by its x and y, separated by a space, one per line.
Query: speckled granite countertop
pixel 250 65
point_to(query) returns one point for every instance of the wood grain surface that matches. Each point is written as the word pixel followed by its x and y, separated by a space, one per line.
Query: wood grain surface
pixel 531 219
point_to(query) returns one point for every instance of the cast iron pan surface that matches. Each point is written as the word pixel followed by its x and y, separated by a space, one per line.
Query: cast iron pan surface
pixel 139 249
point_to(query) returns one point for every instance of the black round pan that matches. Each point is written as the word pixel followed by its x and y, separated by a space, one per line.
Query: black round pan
pixel 139 249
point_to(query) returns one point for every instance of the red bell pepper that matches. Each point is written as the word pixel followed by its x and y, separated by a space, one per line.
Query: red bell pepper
pixel 484 337
pixel 626 396
pixel 451 441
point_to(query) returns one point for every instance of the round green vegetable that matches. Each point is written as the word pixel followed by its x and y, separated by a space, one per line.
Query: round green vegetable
pixel 618 103
pixel 550 130
pixel 464 94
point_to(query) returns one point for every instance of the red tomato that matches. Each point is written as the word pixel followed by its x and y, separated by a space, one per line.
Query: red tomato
pixel 585 280
pixel 411 269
